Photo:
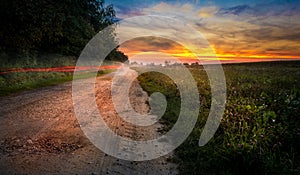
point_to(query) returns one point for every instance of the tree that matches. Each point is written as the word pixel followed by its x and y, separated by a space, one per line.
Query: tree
pixel 117 55
pixel 52 26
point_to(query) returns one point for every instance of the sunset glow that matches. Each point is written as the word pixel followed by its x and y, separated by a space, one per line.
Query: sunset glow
pixel 184 55
pixel 237 31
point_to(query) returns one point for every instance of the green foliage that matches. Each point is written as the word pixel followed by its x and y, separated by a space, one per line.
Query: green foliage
pixel 15 82
pixel 259 132
pixel 116 55
pixel 51 26
pixel 20 81
pixel 151 82
pixel 35 60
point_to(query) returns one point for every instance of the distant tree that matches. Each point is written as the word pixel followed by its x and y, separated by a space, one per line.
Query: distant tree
pixel 117 55
pixel 195 64
pixel 134 63
pixel 167 63
pixel 186 64
pixel 176 64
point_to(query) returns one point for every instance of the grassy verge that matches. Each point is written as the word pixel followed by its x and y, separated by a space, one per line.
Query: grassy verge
pixel 19 81
pixel 260 129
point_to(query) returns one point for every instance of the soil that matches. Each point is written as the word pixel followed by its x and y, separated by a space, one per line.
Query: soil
pixel 39 133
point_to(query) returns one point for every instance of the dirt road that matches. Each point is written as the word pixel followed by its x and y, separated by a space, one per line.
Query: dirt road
pixel 39 133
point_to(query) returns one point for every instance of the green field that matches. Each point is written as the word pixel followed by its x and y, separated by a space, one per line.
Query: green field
pixel 260 128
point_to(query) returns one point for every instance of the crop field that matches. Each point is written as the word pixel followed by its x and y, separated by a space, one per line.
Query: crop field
pixel 260 129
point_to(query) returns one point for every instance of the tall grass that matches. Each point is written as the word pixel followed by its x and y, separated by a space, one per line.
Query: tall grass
pixel 18 81
pixel 260 129
pixel 35 60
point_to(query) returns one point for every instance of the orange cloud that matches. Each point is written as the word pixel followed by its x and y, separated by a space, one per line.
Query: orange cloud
pixel 155 44
pixel 233 37
pixel 151 46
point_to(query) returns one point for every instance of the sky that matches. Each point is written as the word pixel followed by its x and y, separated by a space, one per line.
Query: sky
pixel 236 30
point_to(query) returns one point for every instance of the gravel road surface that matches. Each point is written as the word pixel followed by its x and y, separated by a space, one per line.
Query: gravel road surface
pixel 39 133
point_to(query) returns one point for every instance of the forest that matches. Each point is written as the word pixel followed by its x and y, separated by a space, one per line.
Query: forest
pixel 49 26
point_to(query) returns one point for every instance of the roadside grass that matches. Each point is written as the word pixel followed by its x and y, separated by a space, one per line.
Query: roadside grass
pixel 35 60
pixel 19 81
pixel 260 128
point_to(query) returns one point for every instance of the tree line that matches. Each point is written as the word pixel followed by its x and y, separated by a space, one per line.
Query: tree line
pixel 54 26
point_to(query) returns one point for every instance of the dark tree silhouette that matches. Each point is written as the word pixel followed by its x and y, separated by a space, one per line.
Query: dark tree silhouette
pixel 52 26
